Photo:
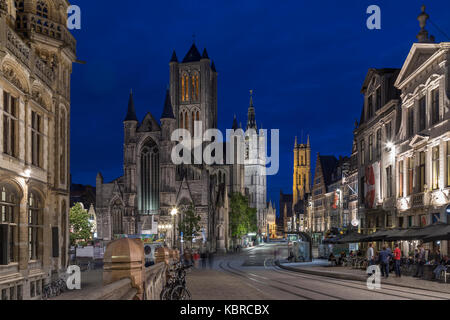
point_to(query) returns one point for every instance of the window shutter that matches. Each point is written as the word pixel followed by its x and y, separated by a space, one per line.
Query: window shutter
pixel 55 242
pixel 4 244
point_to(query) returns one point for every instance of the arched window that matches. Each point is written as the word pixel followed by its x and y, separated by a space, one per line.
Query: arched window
pixel 193 123
pixel 181 120
pixel 186 121
pixel 117 218
pixel 42 9
pixel 195 86
pixel 185 88
pixel 62 156
pixel 9 210
pixel 149 181
pixel 35 226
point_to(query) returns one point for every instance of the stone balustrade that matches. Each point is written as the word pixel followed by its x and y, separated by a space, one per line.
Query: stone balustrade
pixel 10 40
pixel 125 276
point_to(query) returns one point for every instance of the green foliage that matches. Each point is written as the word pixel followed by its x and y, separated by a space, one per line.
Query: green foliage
pixel 80 227
pixel 189 224
pixel 242 217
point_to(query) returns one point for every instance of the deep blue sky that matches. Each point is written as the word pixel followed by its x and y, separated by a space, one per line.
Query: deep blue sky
pixel 305 61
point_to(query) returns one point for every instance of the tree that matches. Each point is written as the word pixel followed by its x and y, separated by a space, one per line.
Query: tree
pixel 189 224
pixel 80 227
pixel 242 217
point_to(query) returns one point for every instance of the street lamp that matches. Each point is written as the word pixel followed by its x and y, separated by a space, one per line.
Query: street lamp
pixel 173 212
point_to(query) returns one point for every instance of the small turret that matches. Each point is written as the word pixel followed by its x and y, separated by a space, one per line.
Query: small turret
pixel 131 113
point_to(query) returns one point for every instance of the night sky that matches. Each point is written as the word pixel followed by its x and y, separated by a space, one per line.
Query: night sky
pixel 305 60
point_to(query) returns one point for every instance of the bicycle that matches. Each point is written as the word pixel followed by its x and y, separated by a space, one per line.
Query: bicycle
pixel 175 288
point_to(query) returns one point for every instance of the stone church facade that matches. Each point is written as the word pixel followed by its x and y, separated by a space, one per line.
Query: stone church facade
pixel 36 56
pixel 152 185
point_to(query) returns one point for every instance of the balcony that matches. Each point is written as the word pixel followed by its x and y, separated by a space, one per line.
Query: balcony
pixel 28 23
pixel 418 200
pixel 17 47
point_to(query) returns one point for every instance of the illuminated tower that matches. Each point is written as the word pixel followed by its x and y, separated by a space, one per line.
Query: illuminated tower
pixel 302 170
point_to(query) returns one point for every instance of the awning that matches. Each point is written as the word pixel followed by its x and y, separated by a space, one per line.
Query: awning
pixel 353 237
pixel 443 233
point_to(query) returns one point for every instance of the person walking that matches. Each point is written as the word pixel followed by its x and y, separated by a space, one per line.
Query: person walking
pixel 397 259
pixel 211 259
pixel 203 257
pixel 384 257
pixel 370 255
pixel 420 262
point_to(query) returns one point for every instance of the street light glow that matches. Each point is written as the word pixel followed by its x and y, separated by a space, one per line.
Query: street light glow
pixel 174 212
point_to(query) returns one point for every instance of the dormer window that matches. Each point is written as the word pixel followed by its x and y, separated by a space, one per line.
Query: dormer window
pixel 370 107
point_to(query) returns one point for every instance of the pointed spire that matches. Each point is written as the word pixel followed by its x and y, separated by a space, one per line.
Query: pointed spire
pixel 193 55
pixel 174 57
pixel 205 54
pixel 235 124
pixel 168 109
pixel 308 144
pixel 131 113
pixel 251 122
pixel 213 66
pixel 295 143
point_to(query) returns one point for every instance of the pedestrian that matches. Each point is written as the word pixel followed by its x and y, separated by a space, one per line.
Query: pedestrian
pixel 443 266
pixel 370 255
pixel 203 257
pixel 196 259
pixel 420 262
pixel 397 259
pixel 384 257
pixel 211 259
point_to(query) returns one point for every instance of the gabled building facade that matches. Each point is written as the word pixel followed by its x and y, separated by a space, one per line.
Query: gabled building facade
pixel 422 149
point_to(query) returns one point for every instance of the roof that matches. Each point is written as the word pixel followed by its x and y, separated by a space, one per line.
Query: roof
pixel 131 113
pixel 168 109
pixel 328 165
pixel 193 55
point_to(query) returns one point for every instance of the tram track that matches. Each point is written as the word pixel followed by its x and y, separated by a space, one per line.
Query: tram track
pixel 395 292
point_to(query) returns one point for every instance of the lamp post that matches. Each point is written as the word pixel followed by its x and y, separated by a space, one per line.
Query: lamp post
pixel 173 213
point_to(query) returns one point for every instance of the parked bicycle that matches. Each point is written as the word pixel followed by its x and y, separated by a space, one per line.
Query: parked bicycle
pixel 175 288
pixel 54 289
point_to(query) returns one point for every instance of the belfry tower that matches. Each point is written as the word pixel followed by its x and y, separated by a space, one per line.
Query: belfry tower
pixel 302 170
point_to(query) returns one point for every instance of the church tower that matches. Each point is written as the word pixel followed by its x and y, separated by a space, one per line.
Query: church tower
pixel 302 170
pixel 193 88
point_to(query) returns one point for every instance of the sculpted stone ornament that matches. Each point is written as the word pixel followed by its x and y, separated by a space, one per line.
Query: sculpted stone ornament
pixel 3 8
pixel 9 74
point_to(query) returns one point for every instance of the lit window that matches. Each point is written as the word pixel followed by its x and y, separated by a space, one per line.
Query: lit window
pixel 435 158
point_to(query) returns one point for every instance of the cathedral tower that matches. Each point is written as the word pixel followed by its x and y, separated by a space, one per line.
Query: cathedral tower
pixel 193 87
pixel 302 170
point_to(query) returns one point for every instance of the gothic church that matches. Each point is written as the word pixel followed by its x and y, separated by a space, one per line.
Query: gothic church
pixel 152 185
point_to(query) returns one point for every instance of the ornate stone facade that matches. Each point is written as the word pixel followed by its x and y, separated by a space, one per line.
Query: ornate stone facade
pixel 34 144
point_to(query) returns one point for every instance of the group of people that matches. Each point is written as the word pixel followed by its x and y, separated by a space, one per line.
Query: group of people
pixel 194 257
pixel 385 257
